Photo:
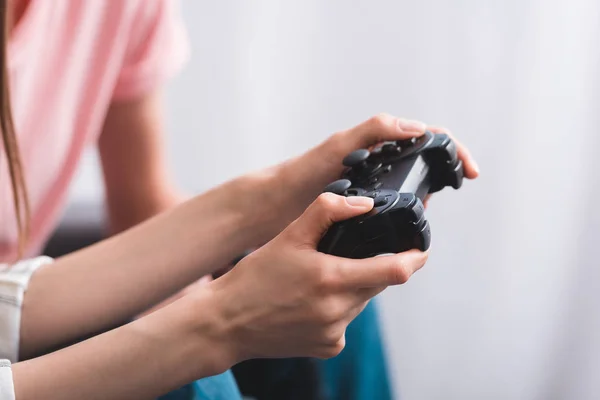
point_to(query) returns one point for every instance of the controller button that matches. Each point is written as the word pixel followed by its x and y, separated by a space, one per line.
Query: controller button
pixel 418 144
pixel 380 201
pixel 373 180
pixel 418 211
pixel 338 187
pixel 386 169
pixel 356 157
pixel 406 199
pixel 424 238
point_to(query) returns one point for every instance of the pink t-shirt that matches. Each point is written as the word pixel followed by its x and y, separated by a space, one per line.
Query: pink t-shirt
pixel 68 60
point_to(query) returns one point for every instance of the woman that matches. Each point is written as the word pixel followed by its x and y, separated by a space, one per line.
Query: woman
pixel 99 85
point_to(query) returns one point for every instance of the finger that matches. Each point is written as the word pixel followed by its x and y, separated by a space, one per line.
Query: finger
pixel 426 200
pixel 327 209
pixel 381 128
pixel 470 166
pixel 379 272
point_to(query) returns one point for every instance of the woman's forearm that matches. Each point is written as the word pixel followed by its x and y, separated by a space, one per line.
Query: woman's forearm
pixel 141 360
pixel 106 284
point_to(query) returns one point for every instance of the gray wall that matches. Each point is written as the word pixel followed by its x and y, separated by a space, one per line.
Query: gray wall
pixel 506 307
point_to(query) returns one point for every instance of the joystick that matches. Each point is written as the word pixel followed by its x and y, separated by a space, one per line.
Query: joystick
pixel 356 158
pixel 339 187
pixel 397 176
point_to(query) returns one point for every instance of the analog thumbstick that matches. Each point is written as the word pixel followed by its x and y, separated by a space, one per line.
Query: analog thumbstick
pixel 338 187
pixel 356 158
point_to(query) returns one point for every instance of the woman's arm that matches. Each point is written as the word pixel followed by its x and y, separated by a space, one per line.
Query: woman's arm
pixel 132 148
pixel 140 360
pixel 106 284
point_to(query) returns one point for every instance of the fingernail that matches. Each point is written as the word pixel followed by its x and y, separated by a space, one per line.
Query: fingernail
pixel 360 201
pixel 411 125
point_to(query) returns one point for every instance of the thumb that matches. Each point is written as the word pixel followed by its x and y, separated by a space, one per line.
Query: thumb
pixel 327 209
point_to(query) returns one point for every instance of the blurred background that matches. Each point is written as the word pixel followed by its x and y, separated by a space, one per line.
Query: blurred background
pixel 507 307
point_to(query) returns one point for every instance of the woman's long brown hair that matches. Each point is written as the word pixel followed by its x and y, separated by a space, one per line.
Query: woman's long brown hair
pixel 9 138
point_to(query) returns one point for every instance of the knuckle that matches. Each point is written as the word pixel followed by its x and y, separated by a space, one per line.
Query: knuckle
pixel 377 127
pixel 400 272
pixel 327 281
pixel 327 200
pixel 333 350
pixel 420 260
pixel 330 313
pixel 379 121
pixel 328 278
pixel 333 335
pixel 404 266
pixel 339 346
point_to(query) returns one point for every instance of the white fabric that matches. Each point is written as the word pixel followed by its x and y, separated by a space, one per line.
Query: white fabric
pixel 13 283
pixel 7 390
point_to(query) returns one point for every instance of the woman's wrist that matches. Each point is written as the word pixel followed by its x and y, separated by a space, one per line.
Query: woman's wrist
pixel 198 318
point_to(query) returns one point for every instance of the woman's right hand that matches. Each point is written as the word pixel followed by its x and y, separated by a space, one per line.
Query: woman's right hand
pixel 289 300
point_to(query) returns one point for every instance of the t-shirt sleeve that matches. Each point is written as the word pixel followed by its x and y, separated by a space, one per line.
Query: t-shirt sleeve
pixel 158 48
pixel 13 284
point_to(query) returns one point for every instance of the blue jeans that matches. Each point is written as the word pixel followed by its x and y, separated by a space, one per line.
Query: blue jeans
pixel 219 387
pixel 360 371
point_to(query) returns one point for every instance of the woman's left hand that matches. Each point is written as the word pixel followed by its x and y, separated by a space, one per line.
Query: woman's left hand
pixel 300 180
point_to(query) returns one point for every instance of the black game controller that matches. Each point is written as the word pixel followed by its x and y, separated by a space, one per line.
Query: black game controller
pixel 398 176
